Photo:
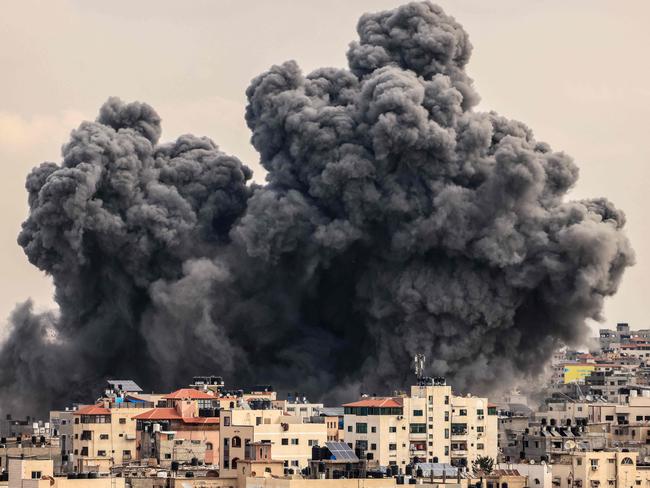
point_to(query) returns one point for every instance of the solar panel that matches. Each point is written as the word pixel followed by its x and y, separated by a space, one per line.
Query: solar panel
pixel 125 385
pixel 342 452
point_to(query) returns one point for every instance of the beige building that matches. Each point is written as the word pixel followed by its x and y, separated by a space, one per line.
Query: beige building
pixel 291 438
pixel 601 469
pixel 431 425
pixel 39 473
pixel 103 437
pixel 186 429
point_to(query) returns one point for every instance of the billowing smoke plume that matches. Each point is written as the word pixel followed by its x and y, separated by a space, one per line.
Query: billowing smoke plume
pixel 395 219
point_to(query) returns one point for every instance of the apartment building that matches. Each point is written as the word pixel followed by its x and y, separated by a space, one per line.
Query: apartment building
pixel 431 425
pixel 300 408
pixel 600 469
pixel 562 413
pixel 292 437
pixel 635 410
pixel 104 436
pixel 186 428
pixel 379 428
pixel 62 422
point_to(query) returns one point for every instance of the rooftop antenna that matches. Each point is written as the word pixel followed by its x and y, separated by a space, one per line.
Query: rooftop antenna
pixel 418 365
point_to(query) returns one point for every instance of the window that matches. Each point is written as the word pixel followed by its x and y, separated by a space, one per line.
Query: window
pixel 392 447
pixel 594 463
pixel 84 451
pixel 226 421
pixel 446 433
pixel 362 428
pixel 418 429
pixel 36 475
pixel 103 437
pixel 446 450
pixel 285 442
pixel 236 441
pixel 349 428
pixel 446 399
pixel 417 413
pixel 294 442
pixel 480 447
pixel 312 442
pixel 392 429
pixel 294 462
pixel 479 412
pixel 373 429
pixel 209 446
pixel 627 460
pixel 480 428
pixel 373 447
pixel 101 453
pixel 168 455
pixel 122 420
pixel 446 416
pixel 609 417
pixel 463 412
pixel 579 461
pixel 126 454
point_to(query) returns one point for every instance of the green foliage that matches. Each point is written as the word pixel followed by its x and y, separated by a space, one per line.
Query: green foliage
pixel 483 465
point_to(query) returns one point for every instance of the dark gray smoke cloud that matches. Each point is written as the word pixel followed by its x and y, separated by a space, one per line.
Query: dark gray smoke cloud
pixel 395 219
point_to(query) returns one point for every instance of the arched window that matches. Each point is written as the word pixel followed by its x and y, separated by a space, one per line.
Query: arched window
pixel 267 470
pixel 236 441
pixel 536 481
pixel 234 463
pixel 627 460
pixel 435 459
pixel 208 446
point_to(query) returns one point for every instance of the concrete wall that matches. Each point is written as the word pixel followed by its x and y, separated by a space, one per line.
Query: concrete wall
pixel 307 483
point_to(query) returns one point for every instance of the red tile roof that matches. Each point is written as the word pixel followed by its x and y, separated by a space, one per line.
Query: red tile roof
pixel 190 393
pixel 377 402
pixel 159 414
pixel 201 420
pixel 93 410
pixel 172 414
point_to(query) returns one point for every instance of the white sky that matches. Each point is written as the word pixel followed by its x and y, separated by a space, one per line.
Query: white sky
pixel 576 72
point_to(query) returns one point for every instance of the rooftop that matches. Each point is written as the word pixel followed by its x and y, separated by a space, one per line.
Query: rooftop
pixel 389 402
pixel 189 393
pixel 93 410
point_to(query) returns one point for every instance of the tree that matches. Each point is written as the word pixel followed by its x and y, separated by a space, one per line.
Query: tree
pixel 483 465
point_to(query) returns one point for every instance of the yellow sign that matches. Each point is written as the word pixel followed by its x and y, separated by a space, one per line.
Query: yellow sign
pixel 577 372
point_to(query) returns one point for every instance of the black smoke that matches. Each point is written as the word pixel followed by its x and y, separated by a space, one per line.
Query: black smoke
pixel 395 219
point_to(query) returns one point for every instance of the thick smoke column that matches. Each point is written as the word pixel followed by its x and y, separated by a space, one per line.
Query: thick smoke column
pixel 395 219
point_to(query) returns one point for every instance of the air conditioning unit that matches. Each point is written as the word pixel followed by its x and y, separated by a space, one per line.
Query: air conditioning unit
pixel 399 417
pixel 594 467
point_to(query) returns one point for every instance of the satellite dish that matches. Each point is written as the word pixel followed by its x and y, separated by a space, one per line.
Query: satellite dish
pixel 532 461
pixel 568 445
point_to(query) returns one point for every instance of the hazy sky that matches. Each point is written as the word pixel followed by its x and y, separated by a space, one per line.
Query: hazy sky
pixel 576 72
